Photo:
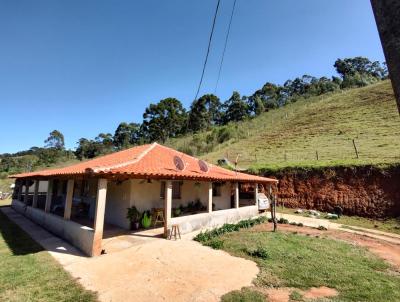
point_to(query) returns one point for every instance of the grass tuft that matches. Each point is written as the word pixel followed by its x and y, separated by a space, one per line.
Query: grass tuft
pixel 243 295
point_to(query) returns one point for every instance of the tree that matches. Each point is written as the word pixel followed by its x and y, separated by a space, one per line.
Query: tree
pixel 325 85
pixel 165 119
pixel 236 109
pixel 105 143
pixel 55 140
pixel 88 149
pixel 360 67
pixel 257 106
pixel 105 139
pixel 126 135
pixel 204 113
pixel 269 94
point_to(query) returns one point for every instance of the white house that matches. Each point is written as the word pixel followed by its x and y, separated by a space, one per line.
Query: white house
pixel 75 202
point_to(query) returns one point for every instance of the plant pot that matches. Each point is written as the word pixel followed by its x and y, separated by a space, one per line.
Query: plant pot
pixel 134 225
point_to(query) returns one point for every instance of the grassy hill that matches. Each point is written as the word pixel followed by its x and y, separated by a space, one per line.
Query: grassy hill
pixel 291 136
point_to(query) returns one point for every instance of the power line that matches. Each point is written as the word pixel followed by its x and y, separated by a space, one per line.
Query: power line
pixel 208 50
pixel 226 42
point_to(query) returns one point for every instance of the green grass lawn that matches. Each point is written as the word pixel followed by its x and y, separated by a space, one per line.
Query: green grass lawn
pixel 28 273
pixel 5 184
pixel 391 225
pixel 303 262
pixel 291 135
pixel 5 202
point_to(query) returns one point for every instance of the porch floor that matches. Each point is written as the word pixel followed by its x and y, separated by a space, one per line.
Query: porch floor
pixel 116 239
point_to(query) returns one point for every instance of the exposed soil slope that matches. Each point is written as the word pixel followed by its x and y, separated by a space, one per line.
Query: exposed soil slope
pixel 364 191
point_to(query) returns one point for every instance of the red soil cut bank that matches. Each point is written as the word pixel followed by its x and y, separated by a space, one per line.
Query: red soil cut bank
pixel 364 191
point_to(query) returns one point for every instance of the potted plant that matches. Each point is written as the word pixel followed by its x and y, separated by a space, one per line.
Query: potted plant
pixel 133 215
pixel 176 212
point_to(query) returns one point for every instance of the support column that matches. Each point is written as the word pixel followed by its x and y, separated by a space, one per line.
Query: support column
pixel 256 193
pixel 35 194
pixel 19 190
pixel 49 195
pixel 99 216
pixel 26 191
pixel 236 195
pixel 167 206
pixel 210 196
pixel 68 199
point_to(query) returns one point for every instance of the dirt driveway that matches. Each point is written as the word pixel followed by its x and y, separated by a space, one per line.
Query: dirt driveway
pixel 163 270
pixel 145 268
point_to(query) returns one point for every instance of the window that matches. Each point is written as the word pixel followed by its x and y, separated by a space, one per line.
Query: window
pixel 217 189
pixel 176 189
pixel 162 190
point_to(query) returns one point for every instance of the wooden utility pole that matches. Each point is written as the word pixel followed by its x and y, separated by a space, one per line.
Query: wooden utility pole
pixel 273 212
pixel 273 207
pixel 387 17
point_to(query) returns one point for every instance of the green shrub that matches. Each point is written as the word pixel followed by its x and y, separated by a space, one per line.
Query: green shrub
pixel 283 220
pixel 244 224
pixel 215 243
pixel 300 224
pixel 187 149
pixel 225 133
pixel 296 296
pixel 338 211
pixel 176 212
pixel 202 237
pixel 261 219
pixel 228 228
pixel 259 252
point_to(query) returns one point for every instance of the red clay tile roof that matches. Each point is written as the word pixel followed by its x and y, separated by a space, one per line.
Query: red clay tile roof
pixel 147 161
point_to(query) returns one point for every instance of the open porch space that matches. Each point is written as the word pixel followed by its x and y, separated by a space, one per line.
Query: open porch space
pixel 91 213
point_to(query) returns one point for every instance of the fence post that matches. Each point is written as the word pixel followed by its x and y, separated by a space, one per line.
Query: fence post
pixel 316 153
pixel 355 148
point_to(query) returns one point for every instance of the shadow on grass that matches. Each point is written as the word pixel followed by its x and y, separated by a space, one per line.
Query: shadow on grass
pixel 15 238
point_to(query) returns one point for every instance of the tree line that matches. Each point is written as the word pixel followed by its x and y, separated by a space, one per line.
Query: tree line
pixel 168 118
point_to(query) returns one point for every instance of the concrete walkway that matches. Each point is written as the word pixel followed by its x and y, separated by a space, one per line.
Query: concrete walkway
pixel 154 270
pixel 316 222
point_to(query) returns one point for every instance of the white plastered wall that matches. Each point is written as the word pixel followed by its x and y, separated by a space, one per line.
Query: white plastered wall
pixel 146 195
pixel 117 202
pixel 224 201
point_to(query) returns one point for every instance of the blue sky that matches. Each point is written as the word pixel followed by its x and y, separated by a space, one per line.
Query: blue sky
pixel 82 67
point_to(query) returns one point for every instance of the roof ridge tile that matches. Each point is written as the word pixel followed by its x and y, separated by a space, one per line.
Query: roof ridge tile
pixel 127 163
